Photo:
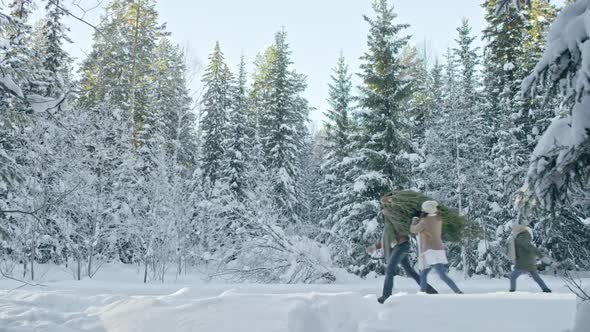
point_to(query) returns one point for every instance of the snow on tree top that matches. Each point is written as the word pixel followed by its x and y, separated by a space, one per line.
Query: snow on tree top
pixel 509 66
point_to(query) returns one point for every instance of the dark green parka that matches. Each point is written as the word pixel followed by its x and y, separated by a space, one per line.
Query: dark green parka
pixel 526 252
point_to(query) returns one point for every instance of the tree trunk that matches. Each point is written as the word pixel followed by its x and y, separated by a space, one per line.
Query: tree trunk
pixel 79 272
pixel 179 269
pixel 145 271
pixel 33 245
pixel 134 69
pixel 91 251
pixel 465 258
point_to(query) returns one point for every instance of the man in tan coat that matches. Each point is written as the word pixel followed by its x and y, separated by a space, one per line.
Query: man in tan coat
pixel 395 232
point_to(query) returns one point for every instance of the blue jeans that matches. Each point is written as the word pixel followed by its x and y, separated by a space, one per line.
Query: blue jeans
pixel 440 269
pixel 517 273
pixel 399 256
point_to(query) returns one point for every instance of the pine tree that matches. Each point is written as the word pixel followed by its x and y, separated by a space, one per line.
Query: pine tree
pixel 49 48
pixel 416 112
pixel 380 162
pixel 216 105
pixel 469 152
pixel 16 83
pixel 311 192
pixel 440 151
pixel 282 115
pixel 335 184
pixel 239 134
pixel 119 67
pixel 515 39
pixel 558 166
pixel 383 93
pixel 339 122
pixel 454 153
pixel 172 110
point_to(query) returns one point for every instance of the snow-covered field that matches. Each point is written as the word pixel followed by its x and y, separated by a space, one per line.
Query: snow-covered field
pixel 114 301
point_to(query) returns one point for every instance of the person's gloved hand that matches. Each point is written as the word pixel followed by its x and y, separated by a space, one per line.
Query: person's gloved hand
pixel 371 250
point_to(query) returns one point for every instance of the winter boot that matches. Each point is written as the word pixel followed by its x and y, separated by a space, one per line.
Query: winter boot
pixel 546 290
pixel 382 299
pixel 431 290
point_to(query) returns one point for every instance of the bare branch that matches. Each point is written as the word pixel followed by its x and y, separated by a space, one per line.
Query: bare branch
pixel 87 10
pixel 43 207
pixel 575 286
pixel 23 282
pixel 81 19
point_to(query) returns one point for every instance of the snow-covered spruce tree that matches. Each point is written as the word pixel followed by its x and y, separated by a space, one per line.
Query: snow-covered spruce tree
pixel 417 111
pixel 560 162
pixel 49 40
pixel 216 103
pixel 515 39
pixel 120 64
pixel 336 181
pixel 14 33
pixel 239 135
pixel 173 105
pixel 379 163
pixel 470 154
pixel 167 150
pixel 435 151
pixel 232 193
pixel 282 115
pixel 454 142
pixel 558 165
pixel 560 159
pixel 311 191
pixel 16 77
pixel 39 235
pixel 439 147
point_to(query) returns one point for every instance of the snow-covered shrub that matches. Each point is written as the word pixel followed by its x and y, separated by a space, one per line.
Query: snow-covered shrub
pixel 261 251
pixel 492 259
pixel 277 258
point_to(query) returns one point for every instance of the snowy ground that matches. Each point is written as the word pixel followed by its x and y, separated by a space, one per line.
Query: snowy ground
pixel 115 302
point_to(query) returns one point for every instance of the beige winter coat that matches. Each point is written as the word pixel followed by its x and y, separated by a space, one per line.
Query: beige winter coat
pixel 429 229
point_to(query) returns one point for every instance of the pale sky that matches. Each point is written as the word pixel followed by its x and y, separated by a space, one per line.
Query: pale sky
pixel 317 30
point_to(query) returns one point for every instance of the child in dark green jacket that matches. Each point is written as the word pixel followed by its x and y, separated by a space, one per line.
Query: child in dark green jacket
pixel 524 255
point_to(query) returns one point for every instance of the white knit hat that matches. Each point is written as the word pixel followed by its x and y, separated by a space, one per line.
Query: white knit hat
pixel 430 207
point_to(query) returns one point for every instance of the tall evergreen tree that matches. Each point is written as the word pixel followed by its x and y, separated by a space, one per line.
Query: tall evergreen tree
pixel 17 79
pixel 380 143
pixel 239 134
pixel 216 103
pixel 282 116
pixel 172 112
pixel 49 48
pixel 513 123
pixel 416 112
pixel 119 67
pixel 336 182
pixel 381 101
pixel 339 122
